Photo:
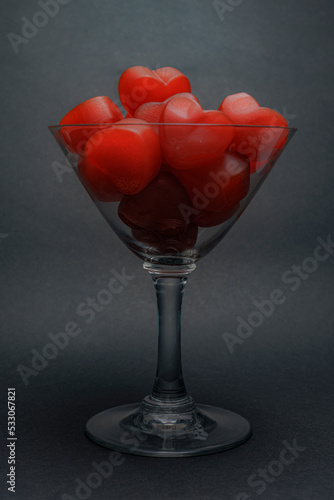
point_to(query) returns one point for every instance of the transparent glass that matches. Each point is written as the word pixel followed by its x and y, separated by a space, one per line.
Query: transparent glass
pixel 176 219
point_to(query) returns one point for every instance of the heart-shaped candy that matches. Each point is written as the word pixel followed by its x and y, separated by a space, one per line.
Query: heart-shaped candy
pixel 97 182
pixel 99 109
pixel 129 152
pixel 218 186
pixel 168 244
pixel 192 146
pixel 266 132
pixel 151 111
pixel 138 85
pixel 158 207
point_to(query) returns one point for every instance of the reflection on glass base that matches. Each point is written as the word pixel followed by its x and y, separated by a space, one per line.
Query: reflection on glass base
pixel 204 430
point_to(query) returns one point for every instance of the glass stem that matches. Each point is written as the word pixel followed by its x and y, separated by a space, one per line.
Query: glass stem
pixel 169 287
pixel 169 380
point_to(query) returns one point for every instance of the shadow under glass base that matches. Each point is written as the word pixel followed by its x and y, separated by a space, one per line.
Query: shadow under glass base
pixel 201 430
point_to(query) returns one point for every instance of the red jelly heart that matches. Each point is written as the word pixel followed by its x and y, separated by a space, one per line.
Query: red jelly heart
pixel 129 152
pixel 193 146
pixel 260 140
pixel 168 244
pixel 99 109
pixel 159 207
pixel 239 106
pixel 218 186
pixel 151 111
pixel 97 182
pixel 139 84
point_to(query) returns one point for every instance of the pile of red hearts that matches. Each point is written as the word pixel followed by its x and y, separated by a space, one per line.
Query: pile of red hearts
pixel 170 179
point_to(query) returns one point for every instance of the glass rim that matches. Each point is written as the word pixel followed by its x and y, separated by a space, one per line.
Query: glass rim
pixel 85 125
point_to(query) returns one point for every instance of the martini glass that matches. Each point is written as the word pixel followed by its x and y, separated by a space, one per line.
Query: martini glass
pixel 170 225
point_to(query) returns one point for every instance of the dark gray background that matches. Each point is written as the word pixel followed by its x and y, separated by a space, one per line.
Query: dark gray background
pixel 58 251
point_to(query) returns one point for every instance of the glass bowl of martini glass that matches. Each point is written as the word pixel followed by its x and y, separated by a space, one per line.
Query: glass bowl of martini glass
pixel 171 192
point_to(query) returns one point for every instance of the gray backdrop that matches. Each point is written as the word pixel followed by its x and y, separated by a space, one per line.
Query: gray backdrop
pixel 56 251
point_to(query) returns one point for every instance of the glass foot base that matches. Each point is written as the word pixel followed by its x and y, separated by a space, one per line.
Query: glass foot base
pixel 209 430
